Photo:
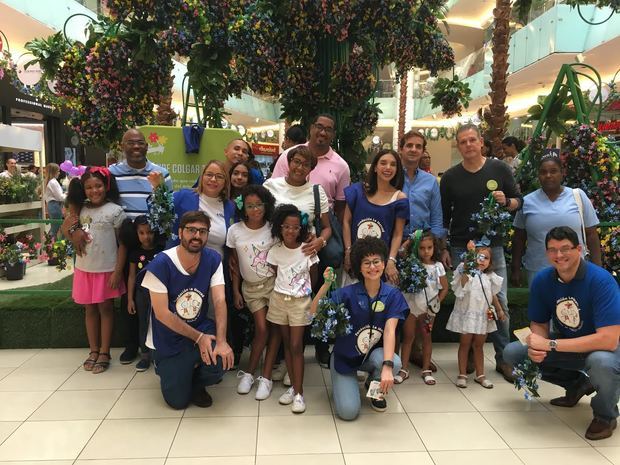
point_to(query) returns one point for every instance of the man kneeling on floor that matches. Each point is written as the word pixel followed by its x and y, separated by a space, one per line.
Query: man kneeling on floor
pixel 190 349
pixel 581 354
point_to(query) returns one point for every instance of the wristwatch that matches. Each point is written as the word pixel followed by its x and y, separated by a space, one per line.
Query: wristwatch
pixel 553 345
pixel 388 363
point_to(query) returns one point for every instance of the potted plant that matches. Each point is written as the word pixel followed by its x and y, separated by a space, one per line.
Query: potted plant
pixel 13 260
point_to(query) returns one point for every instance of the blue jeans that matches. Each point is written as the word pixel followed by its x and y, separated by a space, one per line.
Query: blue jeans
pixel 184 372
pixel 570 370
pixel 54 209
pixel 345 388
pixel 501 337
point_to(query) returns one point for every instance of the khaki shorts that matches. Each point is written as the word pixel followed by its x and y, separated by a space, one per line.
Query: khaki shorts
pixel 256 295
pixel 287 310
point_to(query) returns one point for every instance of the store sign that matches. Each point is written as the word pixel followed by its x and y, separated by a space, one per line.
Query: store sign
pixel 269 150
pixel 609 126
pixel 30 76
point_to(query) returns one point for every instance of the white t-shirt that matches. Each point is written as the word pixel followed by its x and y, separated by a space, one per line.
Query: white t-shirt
pixel 300 196
pixel 214 208
pixel 293 277
pixel 100 223
pixel 252 246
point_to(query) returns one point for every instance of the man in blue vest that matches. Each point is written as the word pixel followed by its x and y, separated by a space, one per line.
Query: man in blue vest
pixel 190 351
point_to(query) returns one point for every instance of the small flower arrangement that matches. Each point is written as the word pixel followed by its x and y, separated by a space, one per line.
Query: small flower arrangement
pixel 412 274
pixel 331 320
pixel 12 254
pixel 493 220
pixel 161 211
pixel 469 259
pixel 526 376
pixel 62 251
pixel 452 95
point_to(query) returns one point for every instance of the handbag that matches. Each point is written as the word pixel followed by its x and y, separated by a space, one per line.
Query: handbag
pixel 333 253
pixel 577 196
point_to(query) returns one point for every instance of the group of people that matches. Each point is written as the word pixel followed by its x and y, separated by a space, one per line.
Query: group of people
pixel 267 248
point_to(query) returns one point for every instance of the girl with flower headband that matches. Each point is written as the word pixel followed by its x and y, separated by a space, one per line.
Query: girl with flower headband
pixel 252 277
pixel 476 310
pixel 290 300
pixel 97 279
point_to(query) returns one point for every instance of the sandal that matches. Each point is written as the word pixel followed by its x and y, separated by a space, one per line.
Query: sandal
pixel 402 376
pixel 100 367
pixel 89 363
pixel 483 381
pixel 461 381
pixel 427 376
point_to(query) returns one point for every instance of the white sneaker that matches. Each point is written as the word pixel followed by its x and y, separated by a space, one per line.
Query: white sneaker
pixel 299 406
pixel 287 397
pixel 287 380
pixel 263 391
pixel 245 385
pixel 278 372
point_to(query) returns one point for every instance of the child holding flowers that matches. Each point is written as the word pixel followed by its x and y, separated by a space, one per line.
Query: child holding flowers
pixel 424 304
pixel 374 308
pixel 252 277
pixel 97 279
pixel 290 300
pixel 476 309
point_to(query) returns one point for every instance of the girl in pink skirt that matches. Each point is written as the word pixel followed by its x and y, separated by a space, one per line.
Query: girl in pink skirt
pixel 97 280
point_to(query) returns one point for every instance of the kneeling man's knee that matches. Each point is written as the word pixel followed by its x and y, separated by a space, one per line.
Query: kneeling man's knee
pixel 176 399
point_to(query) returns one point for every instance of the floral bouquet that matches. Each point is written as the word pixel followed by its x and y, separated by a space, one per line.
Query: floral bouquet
pixel 493 220
pixel 412 274
pixel 60 251
pixel 331 320
pixel 470 262
pixel 526 376
pixel 161 211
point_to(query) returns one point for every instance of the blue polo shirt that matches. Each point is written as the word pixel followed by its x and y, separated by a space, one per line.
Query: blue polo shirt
pixel 134 186
pixel 590 301
pixel 350 350
pixel 424 203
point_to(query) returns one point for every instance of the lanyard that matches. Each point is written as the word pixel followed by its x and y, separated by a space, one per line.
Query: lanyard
pixel 371 310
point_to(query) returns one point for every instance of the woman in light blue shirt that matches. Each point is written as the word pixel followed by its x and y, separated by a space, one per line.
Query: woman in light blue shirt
pixel 551 205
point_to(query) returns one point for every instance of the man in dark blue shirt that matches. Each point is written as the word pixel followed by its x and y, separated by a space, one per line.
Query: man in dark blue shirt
pixel 581 354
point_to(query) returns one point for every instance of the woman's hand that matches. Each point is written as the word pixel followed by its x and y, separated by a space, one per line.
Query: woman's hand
pixel 155 178
pixel 387 379
pixel 313 246
pixel 391 272
pixel 238 300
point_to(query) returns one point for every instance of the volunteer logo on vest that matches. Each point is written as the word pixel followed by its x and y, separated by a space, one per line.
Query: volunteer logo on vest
pixel 369 227
pixel 492 184
pixel 363 342
pixel 567 313
pixel 378 306
pixel 189 304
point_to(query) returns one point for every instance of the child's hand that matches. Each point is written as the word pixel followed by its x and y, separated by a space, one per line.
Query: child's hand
pixel 471 245
pixel 155 178
pixel 238 300
pixel 131 307
pixel 329 275
pixel 114 280
pixel 501 315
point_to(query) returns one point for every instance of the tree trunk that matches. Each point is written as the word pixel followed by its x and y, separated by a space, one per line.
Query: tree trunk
pixel 497 117
pixel 402 106
pixel 165 114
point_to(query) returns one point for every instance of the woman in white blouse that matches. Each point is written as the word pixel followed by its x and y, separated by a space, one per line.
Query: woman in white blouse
pixel 53 195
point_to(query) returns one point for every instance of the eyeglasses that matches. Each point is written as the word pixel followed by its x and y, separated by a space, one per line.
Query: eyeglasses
pixel 296 162
pixel 218 177
pixel 255 206
pixel 368 263
pixel 287 227
pixel 562 250
pixel 192 231
pixel 320 128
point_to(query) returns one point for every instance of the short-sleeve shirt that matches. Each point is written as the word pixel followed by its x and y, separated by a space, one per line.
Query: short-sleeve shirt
pixel 300 196
pixel 331 172
pixel 350 350
pixel 142 257
pixel 578 308
pixel 100 223
pixel 293 276
pixel 187 297
pixel 252 246
pixel 214 208
pixel 372 220
pixel 134 187
pixel 539 215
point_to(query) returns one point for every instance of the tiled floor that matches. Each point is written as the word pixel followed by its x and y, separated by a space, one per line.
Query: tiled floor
pixel 52 412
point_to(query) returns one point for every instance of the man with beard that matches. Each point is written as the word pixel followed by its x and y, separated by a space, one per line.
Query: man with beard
pixel 189 348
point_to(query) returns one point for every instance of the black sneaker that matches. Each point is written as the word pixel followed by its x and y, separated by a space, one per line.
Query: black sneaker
pixel 378 405
pixel 128 356
pixel 143 364
pixel 201 398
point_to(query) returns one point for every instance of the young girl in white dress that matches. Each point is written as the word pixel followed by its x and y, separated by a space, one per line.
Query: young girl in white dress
pixel 475 310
